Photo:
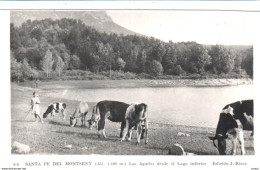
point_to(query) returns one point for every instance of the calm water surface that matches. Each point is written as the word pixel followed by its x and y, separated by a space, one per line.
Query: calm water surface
pixel 175 105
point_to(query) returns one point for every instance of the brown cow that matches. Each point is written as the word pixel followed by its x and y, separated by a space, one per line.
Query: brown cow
pixel 136 117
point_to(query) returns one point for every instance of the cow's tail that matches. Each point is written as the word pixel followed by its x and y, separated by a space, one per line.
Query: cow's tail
pixel 145 112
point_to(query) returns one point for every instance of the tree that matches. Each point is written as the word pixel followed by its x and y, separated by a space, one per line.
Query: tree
pixel 27 71
pixel 141 60
pixel 16 71
pixel 74 62
pixel 36 33
pixel 59 65
pixel 121 63
pixel 103 57
pixel 130 57
pixel 15 40
pixel 47 63
pixel 237 61
pixel 154 67
pixel 177 70
pixel 62 51
pixel 170 58
pixel 198 58
pixel 157 50
pixel 222 59
pixel 247 63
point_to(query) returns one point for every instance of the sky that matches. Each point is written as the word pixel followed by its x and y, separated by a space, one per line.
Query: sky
pixel 205 27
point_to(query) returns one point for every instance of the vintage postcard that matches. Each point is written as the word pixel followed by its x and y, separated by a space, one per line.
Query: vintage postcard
pixel 130 85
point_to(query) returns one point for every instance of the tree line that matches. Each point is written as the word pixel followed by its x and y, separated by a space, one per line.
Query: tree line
pixel 48 46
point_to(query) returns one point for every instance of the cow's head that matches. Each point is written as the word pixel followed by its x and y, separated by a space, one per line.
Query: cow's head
pixel 140 111
pixel 221 143
pixel 225 123
pixel 91 123
pixel 48 111
pixel 73 121
pixel 94 118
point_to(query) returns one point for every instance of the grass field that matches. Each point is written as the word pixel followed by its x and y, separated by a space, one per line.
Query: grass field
pixel 52 136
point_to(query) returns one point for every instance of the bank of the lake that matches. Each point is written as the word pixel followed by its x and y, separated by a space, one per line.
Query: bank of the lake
pixel 94 84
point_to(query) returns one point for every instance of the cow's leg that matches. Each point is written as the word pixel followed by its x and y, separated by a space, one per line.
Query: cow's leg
pixel 234 134
pixel 234 146
pixel 99 129
pixel 35 115
pixel 52 114
pixel 146 131
pixel 122 129
pixel 96 123
pixel 241 141
pixel 85 118
pixel 130 132
pixel 138 132
pixel 125 131
pixel 104 133
pixel 82 121
pixel 63 113
pixel 101 126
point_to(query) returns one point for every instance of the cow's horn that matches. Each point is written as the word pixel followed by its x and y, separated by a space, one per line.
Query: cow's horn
pixel 213 138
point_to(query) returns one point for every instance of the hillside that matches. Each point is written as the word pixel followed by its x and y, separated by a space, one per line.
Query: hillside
pixel 96 19
pixel 55 46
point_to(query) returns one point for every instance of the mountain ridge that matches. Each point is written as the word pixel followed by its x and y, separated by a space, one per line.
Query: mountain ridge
pixel 96 19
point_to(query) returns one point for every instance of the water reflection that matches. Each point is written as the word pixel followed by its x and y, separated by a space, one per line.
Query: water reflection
pixel 181 105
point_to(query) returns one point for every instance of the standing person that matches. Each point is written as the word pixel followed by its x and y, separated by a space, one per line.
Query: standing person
pixel 35 103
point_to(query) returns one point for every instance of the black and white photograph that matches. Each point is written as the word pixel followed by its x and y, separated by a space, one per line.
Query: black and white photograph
pixel 120 85
pixel 131 82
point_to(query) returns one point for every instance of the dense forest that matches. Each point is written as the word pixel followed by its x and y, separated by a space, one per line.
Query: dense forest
pixel 65 48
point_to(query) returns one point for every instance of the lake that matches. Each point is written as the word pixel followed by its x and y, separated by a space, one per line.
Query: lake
pixel 193 106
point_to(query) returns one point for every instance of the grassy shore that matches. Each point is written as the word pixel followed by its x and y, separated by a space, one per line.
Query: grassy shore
pixel 94 84
pixel 52 136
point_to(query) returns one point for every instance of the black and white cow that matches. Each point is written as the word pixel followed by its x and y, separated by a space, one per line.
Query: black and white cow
pixel 136 117
pixel 55 108
pixel 233 119
pixel 111 110
pixel 80 113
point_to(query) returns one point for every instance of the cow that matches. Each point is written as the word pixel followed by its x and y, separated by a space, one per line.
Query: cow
pixel 80 112
pixel 55 108
pixel 94 119
pixel 111 110
pixel 136 117
pixel 233 119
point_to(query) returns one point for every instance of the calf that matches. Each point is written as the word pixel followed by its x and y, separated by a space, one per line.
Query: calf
pixel 80 112
pixel 55 108
pixel 111 110
pixel 136 117
pixel 233 119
